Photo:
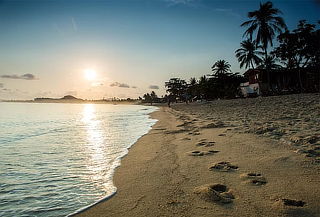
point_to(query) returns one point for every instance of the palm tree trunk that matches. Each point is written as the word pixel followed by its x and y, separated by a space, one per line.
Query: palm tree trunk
pixel 267 70
pixel 300 81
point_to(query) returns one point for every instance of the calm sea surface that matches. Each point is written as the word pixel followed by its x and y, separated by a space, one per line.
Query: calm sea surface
pixel 57 158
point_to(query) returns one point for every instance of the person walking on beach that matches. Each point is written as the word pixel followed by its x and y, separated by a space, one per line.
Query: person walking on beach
pixel 169 100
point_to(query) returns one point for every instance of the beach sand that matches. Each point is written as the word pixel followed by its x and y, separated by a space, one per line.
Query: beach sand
pixel 214 160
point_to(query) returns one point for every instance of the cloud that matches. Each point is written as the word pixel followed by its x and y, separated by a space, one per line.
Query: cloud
pixel 188 3
pixel 227 11
pixel 27 76
pixel 184 2
pixel 74 24
pixel 124 85
pixel 117 84
pixel 154 87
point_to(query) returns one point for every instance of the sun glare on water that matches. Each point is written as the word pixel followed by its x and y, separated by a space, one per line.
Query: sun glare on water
pixel 90 74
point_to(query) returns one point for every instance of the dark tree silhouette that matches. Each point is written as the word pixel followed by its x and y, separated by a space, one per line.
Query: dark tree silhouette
pixel 150 98
pixel 300 48
pixel 176 87
pixel 220 67
pixel 269 63
pixel 266 23
pixel 193 88
pixel 204 87
pixel 249 54
pixel 153 96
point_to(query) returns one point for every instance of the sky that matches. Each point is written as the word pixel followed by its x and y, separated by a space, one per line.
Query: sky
pixel 131 46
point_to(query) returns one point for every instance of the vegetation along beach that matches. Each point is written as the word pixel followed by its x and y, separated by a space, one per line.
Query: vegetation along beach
pixel 133 108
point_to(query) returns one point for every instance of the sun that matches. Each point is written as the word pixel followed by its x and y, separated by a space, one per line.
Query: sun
pixel 90 74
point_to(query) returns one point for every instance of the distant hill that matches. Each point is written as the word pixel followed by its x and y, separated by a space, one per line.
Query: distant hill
pixel 70 97
pixel 65 98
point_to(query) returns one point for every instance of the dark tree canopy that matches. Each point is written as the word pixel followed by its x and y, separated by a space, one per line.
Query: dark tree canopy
pixel 249 54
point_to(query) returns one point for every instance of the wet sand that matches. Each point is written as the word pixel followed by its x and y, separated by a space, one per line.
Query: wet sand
pixel 200 160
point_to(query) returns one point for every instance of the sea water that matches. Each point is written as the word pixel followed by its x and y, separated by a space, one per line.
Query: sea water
pixel 57 158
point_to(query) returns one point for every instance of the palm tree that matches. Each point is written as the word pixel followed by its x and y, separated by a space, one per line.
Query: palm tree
pixel 266 23
pixel 248 54
pixel 269 63
pixel 203 87
pixel 203 80
pixel 220 67
pixel 193 81
pixel 193 87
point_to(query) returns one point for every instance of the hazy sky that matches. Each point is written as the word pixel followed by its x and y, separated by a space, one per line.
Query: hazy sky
pixel 133 45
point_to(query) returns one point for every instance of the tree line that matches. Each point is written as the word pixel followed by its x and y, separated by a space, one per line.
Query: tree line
pixel 296 50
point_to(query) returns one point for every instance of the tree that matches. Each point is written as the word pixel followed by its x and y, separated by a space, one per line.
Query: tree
pixel 147 97
pixel 287 49
pixel 300 48
pixel 204 87
pixel 150 97
pixel 153 97
pixel 193 88
pixel 249 54
pixel 266 23
pixel 220 67
pixel 308 42
pixel 176 87
pixel 269 63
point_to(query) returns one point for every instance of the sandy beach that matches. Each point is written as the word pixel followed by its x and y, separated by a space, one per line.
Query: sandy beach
pixel 243 157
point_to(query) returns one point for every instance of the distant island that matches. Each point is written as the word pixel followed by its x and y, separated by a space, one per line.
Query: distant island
pixel 65 98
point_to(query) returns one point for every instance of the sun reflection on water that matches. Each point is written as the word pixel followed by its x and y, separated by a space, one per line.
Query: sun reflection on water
pixel 95 145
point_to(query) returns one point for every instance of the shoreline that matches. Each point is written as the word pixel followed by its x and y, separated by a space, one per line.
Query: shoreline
pixel 75 102
pixel 106 198
pixel 166 173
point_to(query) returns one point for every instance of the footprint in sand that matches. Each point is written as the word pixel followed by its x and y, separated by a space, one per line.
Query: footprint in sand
pixel 194 133
pixel 283 202
pixel 223 166
pixel 205 143
pixel 289 202
pixel 254 178
pixel 218 124
pixel 202 153
pixel 214 193
pixel 186 138
pixel 185 124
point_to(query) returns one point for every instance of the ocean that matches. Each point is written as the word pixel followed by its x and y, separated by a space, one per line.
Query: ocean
pixel 58 158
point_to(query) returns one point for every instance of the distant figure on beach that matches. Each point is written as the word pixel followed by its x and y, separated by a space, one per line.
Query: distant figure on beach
pixel 171 99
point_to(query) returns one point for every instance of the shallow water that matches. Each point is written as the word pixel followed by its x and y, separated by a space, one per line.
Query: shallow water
pixel 57 158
